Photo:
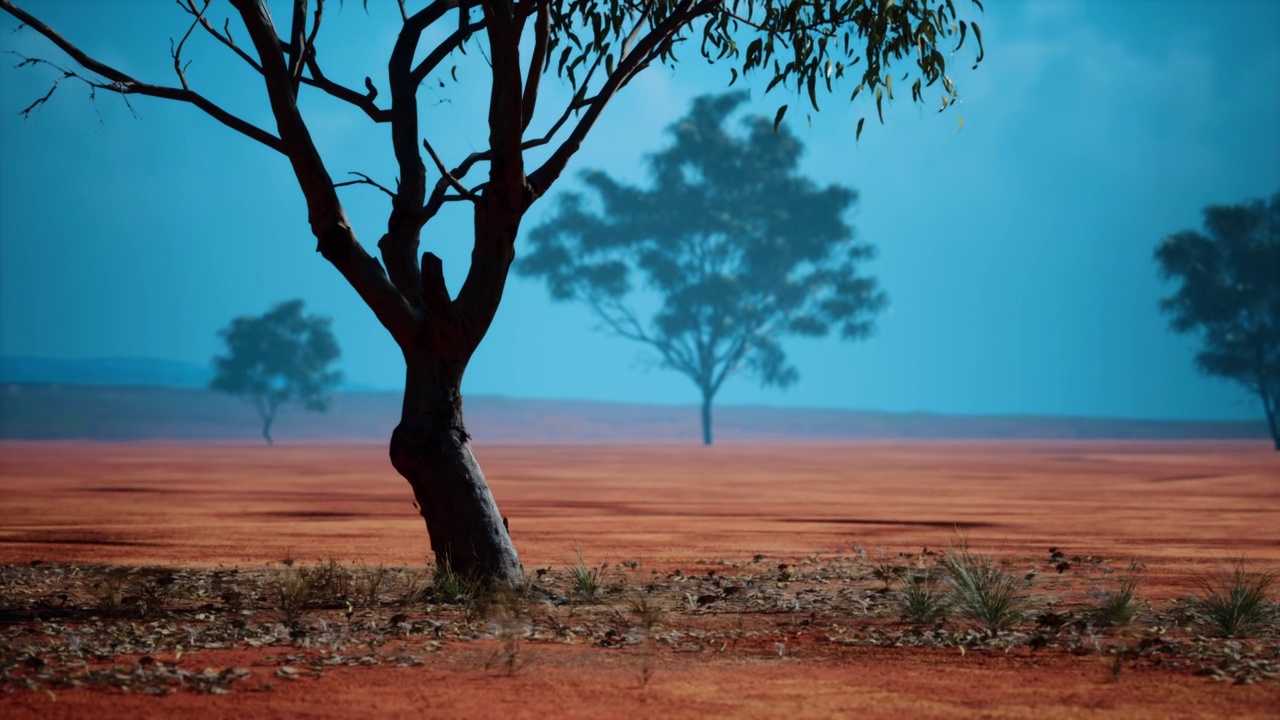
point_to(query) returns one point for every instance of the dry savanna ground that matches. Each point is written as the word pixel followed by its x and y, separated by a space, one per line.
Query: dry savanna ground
pixel 744 580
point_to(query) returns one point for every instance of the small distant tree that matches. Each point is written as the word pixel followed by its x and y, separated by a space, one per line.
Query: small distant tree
pixel 739 247
pixel 276 359
pixel 1230 296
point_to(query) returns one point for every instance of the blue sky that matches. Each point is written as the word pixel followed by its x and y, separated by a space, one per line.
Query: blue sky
pixel 1017 252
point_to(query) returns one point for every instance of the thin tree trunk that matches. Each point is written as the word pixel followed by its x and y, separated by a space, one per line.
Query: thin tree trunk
pixel 431 449
pixel 1272 406
pixel 706 417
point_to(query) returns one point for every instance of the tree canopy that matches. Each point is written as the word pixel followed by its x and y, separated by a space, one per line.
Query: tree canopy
pixel 740 249
pixel 1229 295
pixel 278 358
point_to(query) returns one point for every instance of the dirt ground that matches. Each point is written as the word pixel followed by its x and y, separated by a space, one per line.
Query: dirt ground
pixel 1180 509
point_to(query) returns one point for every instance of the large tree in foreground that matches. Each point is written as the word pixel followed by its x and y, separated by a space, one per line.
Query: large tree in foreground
pixel 598 47
pixel 1229 294
pixel 281 357
pixel 740 249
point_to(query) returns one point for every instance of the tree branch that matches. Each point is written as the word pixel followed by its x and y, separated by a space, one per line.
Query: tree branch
pixel 684 14
pixel 222 37
pixel 541 36
pixel 365 180
pixel 125 85
pixel 297 43
pixel 335 238
pixel 446 176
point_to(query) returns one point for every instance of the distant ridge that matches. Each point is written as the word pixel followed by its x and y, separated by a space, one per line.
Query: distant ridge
pixel 100 412
pixel 113 371
pixel 124 371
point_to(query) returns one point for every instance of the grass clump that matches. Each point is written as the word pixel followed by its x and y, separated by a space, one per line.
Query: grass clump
pixel 586 581
pixel 450 587
pixel 923 599
pixel 983 592
pixel 1237 603
pixel 1117 606
pixel 298 588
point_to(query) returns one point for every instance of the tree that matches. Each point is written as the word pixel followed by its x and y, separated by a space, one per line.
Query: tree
pixel 1229 294
pixel 276 359
pixel 598 47
pixel 740 249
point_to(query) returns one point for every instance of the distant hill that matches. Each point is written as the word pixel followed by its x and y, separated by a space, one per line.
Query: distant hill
pixel 103 371
pixel 99 412
pixel 118 372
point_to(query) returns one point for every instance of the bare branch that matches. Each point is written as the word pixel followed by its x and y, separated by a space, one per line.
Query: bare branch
pixel 445 174
pixel 177 52
pixel 336 241
pixel 446 46
pixel 344 93
pixel 680 17
pixel 223 37
pixel 297 42
pixel 622 322
pixel 542 34
pixel 365 180
pixel 308 49
pixel 125 85
pixel 635 32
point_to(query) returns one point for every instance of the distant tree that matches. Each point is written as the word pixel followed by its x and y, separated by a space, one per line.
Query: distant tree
pixel 278 358
pixel 1230 296
pixel 595 47
pixel 740 249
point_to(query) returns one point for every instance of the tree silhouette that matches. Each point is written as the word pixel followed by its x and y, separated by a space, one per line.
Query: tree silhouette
pixel 1229 294
pixel 278 358
pixel 739 247
pixel 506 48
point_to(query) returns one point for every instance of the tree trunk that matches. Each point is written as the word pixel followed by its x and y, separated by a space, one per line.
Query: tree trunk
pixel 268 416
pixel 430 449
pixel 706 418
pixel 1272 406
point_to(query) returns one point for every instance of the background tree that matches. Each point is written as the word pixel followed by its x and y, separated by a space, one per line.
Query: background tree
pixel 1229 294
pixel 598 47
pixel 739 247
pixel 278 358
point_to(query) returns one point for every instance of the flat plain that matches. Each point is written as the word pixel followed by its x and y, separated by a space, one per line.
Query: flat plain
pixel 685 522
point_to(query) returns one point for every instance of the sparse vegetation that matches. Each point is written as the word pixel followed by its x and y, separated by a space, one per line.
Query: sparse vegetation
pixel 451 587
pixel 645 614
pixel 587 581
pixel 983 592
pixel 1236 603
pixel 58 633
pixel 923 599
pixel 1117 605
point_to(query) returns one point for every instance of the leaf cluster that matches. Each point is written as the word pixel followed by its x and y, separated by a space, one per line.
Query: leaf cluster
pixel 801 45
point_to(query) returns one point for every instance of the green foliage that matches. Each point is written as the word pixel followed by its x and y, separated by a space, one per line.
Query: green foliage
pixel 278 358
pixel 1229 294
pixel 1237 603
pixel 587 581
pixel 923 598
pixel 451 587
pixel 983 592
pixel 804 46
pixel 741 249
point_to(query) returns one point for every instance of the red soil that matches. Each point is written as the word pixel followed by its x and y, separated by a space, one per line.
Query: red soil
pixel 1180 508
